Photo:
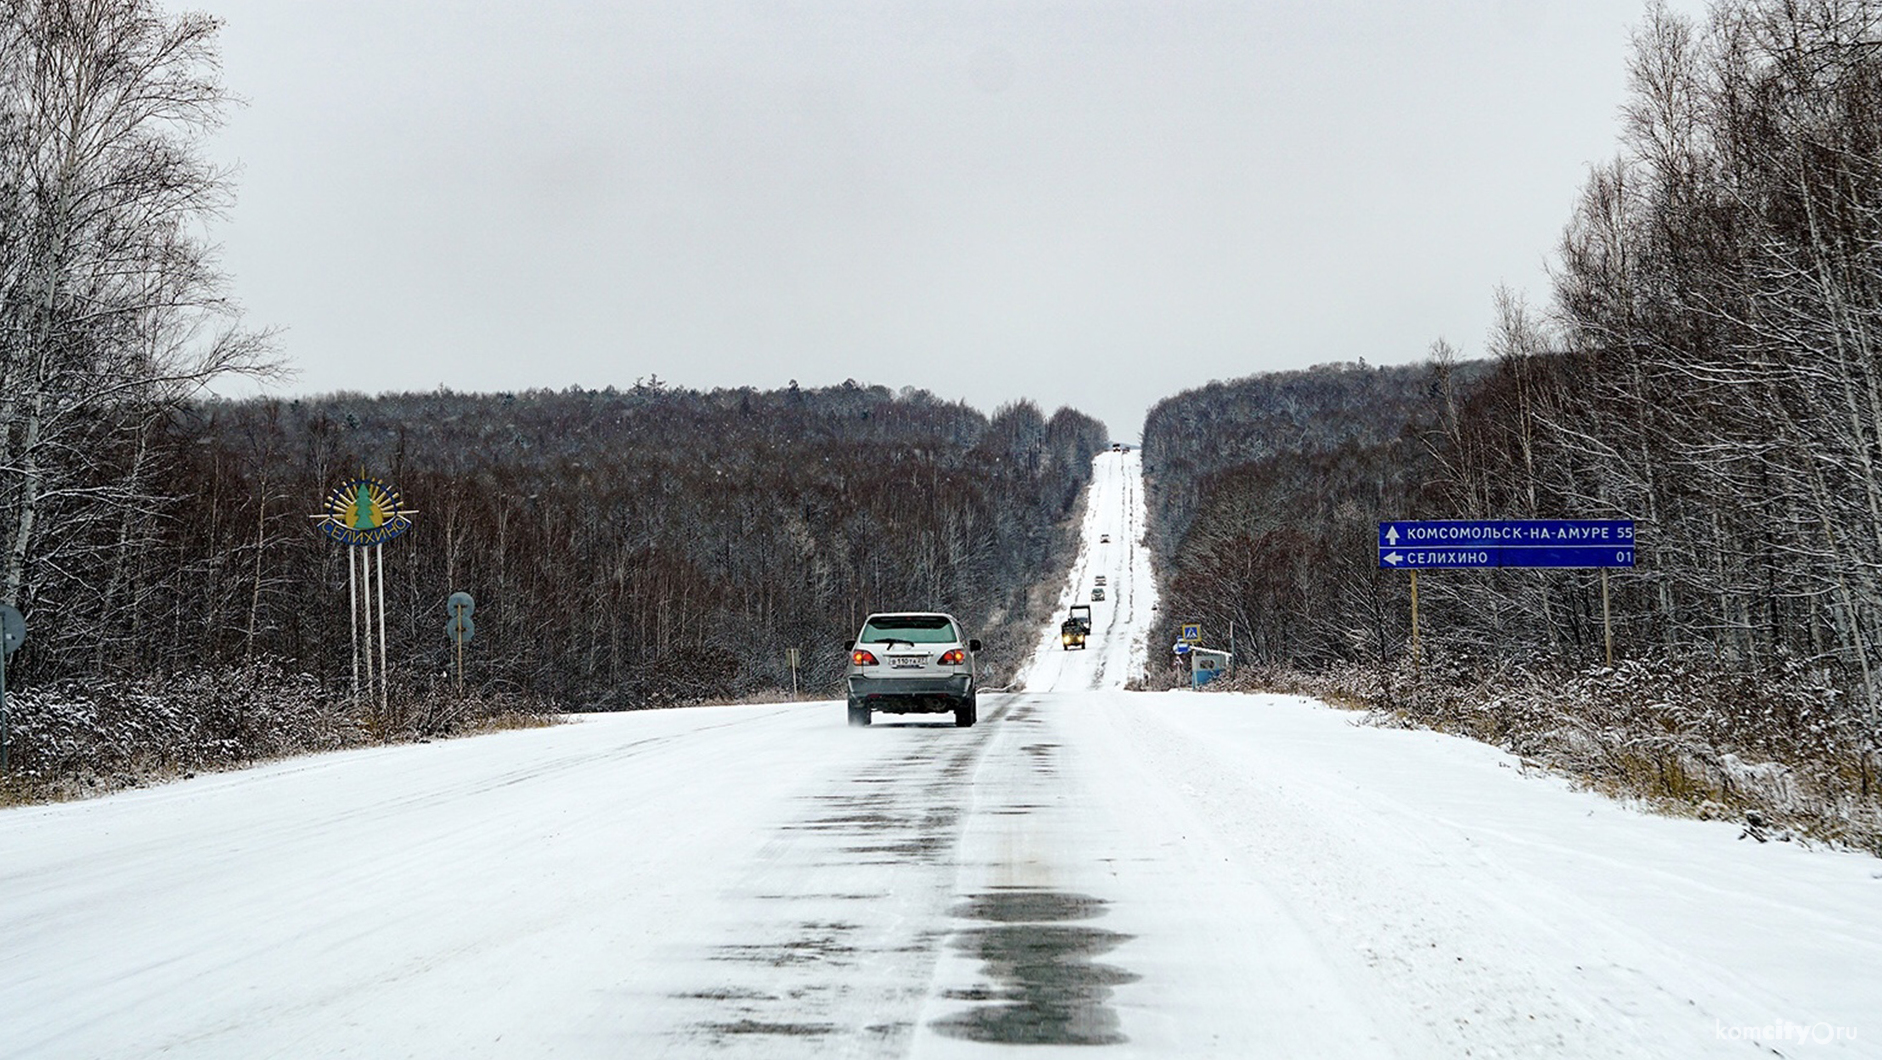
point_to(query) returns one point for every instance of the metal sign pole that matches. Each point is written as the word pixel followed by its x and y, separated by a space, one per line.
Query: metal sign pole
pixel 1607 628
pixel 385 679
pixel 1414 629
pixel 3 708
pixel 459 628
pixel 352 600
pixel 364 646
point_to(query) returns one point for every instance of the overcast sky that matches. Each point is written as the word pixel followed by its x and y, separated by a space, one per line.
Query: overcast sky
pixel 1093 204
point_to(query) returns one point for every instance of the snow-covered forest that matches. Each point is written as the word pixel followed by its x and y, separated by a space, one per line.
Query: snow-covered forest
pixel 651 545
pixel 625 548
pixel 1708 366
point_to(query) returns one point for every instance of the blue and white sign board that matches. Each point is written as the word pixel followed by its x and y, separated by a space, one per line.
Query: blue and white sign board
pixel 1192 632
pixel 1441 543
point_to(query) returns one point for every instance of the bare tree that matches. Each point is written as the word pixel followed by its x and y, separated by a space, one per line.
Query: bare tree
pixel 111 309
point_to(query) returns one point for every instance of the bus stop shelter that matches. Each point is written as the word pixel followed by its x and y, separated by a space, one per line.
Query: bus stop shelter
pixel 1207 664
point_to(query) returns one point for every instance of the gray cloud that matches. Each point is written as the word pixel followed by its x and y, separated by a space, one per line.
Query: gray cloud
pixel 1094 204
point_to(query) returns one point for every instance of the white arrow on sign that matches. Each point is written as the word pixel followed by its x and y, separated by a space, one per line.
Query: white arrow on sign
pixel 1391 535
pixel 1392 557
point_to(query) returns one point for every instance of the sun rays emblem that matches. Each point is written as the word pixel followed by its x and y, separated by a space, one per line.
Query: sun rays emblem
pixel 365 511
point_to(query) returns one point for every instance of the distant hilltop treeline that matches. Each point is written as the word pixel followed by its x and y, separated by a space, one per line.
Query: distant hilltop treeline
pixel 625 548
pixel 1195 438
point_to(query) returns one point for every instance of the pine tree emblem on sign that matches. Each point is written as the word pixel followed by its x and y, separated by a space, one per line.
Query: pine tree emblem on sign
pixel 365 511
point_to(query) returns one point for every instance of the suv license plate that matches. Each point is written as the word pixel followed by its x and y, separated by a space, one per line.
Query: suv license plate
pixel 905 662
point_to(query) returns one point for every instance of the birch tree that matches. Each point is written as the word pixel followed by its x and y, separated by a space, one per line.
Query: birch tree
pixel 112 311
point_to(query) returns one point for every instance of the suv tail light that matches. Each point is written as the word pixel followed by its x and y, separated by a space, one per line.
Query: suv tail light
pixel 953 657
pixel 860 657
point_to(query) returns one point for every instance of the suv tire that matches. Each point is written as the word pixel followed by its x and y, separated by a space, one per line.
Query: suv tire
pixel 966 714
pixel 859 713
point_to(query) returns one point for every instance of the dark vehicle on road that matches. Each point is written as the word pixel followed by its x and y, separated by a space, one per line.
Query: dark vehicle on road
pixel 912 663
pixel 1076 627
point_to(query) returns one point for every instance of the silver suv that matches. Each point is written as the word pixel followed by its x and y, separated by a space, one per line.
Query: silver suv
pixel 912 663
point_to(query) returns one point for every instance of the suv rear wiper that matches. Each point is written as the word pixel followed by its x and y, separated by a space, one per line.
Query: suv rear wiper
pixel 896 640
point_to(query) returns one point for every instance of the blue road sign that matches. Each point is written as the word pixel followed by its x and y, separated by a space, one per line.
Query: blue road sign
pixel 1441 543
pixel 1192 632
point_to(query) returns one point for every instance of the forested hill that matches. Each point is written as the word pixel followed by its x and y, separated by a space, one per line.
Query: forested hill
pixel 1709 366
pixel 1193 436
pixel 625 548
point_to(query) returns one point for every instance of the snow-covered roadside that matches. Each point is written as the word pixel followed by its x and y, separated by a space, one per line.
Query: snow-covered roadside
pixel 419 900
pixel 1293 884
pixel 1574 923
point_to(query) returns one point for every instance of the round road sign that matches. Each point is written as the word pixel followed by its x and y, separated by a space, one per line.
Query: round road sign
pixel 460 601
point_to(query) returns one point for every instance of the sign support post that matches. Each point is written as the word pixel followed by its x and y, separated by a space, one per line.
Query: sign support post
pixel 352 608
pixel 1607 628
pixel 385 677
pixel 1414 630
pixel 369 694
pixel 460 628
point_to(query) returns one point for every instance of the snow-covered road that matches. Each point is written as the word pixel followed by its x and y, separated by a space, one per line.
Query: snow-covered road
pixel 1158 874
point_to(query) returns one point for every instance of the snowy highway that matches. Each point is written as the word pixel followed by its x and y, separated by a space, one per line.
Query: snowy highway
pixel 1153 874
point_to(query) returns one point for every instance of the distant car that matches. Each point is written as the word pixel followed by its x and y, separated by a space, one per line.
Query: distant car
pixel 1097 592
pixel 1104 539
pixel 913 663
pixel 1099 580
pixel 1117 447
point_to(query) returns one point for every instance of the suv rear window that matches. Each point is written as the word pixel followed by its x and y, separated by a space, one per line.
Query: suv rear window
pixel 914 629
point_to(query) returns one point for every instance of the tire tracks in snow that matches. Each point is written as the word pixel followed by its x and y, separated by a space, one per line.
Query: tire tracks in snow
pixel 851 897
